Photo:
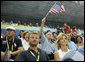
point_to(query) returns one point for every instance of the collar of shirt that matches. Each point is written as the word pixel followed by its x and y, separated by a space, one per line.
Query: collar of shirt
pixel 33 50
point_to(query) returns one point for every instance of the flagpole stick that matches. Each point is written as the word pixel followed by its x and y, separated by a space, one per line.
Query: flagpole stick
pixel 47 14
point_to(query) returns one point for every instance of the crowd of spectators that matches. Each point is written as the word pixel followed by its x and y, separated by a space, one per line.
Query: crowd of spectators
pixel 45 46
pixel 19 23
pixel 11 22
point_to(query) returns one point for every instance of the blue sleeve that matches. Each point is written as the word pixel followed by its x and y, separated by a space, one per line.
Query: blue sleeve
pixel 72 46
pixel 75 46
pixel 43 39
pixel 81 50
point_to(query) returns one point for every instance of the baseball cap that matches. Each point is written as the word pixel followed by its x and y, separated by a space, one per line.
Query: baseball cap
pixel 12 28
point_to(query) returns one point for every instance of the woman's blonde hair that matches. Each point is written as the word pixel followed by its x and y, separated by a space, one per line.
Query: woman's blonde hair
pixel 25 34
pixel 59 37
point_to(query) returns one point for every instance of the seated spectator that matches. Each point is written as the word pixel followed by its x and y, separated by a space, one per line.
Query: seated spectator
pixel 25 24
pixel 73 38
pixel 54 36
pixel 11 23
pixel 71 44
pixel 79 42
pixel 75 55
pixel 30 25
pixel 74 29
pixel 3 22
pixel 82 35
pixel 21 34
pixel 58 30
pixel 62 30
pixel 37 25
pixel 33 53
pixel 19 23
pixel 25 40
pixel 46 42
pixel 62 45
pixel 7 23
pixel 12 44
pixel 67 27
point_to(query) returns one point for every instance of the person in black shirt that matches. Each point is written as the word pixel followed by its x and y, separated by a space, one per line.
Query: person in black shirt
pixel 74 36
pixel 33 53
pixel 20 34
pixel 12 44
pixel 58 30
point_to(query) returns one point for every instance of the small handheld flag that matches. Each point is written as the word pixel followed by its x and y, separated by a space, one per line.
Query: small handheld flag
pixel 55 8
pixel 6 56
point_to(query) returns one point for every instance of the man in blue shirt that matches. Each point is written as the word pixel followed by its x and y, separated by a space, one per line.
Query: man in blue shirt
pixel 75 55
pixel 46 41
pixel 71 44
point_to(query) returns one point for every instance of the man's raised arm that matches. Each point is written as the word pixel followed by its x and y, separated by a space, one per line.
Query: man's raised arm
pixel 42 25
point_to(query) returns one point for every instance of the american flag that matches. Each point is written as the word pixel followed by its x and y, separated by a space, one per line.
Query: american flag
pixel 62 9
pixel 6 56
pixel 55 8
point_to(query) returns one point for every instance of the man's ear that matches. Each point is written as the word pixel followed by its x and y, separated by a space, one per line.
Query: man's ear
pixel 14 32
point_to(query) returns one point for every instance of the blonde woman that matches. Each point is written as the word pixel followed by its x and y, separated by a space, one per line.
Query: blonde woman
pixel 25 40
pixel 62 45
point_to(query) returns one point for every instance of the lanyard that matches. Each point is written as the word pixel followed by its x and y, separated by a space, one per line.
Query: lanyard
pixel 37 58
pixel 8 45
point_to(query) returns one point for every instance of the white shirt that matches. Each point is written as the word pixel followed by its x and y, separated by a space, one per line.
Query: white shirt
pixel 25 44
pixel 61 53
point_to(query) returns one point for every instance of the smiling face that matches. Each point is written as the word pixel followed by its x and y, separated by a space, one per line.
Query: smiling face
pixel 34 39
pixel 10 32
pixel 63 41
